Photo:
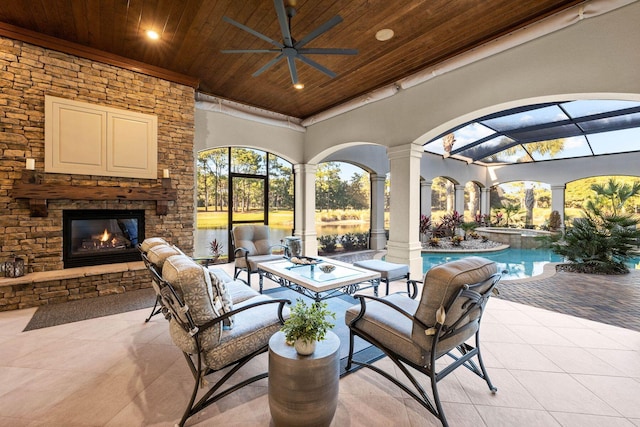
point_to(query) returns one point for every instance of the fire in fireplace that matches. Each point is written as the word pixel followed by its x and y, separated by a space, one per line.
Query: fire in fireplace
pixel 92 237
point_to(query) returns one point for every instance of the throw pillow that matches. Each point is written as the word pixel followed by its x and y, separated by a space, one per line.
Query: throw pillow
pixel 222 298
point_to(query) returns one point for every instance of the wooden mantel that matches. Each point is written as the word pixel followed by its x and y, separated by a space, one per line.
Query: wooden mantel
pixel 38 193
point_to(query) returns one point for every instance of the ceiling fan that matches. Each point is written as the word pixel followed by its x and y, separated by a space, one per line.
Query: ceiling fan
pixel 290 48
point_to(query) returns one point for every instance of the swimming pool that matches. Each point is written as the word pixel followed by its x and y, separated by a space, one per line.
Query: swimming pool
pixel 519 263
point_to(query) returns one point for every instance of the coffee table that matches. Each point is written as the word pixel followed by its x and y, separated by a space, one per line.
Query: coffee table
pixel 311 281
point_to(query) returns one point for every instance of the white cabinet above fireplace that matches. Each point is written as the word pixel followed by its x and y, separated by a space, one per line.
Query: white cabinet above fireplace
pixel 90 139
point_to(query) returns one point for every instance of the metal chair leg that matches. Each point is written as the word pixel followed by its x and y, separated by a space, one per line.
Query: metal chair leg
pixel 154 311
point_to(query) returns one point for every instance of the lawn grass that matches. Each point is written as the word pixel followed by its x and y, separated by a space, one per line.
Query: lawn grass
pixel 214 220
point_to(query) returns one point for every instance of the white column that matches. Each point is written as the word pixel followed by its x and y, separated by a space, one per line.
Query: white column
pixel 305 213
pixel 485 201
pixel 378 239
pixel 557 201
pixel 459 198
pixel 404 245
pixel 425 197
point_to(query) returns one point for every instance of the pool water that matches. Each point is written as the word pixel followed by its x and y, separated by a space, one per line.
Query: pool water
pixel 518 263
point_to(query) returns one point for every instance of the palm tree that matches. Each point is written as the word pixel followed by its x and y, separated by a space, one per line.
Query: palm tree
pixel 615 192
pixel 604 239
pixel 510 209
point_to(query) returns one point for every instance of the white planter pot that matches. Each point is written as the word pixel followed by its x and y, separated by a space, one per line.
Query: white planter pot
pixel 305 348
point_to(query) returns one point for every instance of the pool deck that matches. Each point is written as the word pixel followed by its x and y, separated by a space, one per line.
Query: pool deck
pixel 610 299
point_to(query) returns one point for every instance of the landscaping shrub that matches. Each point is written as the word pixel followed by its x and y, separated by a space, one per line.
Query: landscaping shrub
pixel 349 242
pixel 328 243
pixel 362 241
pixel 605 238
pixel 598 245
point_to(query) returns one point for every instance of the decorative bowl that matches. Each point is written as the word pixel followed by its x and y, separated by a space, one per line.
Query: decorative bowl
pixel 327 268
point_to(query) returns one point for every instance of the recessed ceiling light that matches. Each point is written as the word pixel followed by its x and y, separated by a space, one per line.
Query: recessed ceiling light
pixel 153 35
pixel 299 86
pixel 384 35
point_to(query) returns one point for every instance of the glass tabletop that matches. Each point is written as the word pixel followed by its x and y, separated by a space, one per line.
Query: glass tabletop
pixel 313 272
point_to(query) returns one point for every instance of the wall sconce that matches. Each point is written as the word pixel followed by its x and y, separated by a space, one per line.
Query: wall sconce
pixel 14 267
pixel 31 164
pixel 165 173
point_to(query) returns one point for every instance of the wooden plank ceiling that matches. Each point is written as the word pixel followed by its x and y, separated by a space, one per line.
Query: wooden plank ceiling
pixel 193 33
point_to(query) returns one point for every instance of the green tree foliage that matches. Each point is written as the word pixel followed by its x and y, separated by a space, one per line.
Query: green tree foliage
pixel 212 178
pixel 578 192
pixel 280 184
pixel 612 196
pixel 332 192
pixel 358 191
pixel 603 240
pixel 248 193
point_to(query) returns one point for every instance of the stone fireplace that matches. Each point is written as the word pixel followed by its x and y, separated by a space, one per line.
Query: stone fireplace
pixel 105 236
pixel 33 201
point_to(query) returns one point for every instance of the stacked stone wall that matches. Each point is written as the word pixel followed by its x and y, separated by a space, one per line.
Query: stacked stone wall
pixel 27 74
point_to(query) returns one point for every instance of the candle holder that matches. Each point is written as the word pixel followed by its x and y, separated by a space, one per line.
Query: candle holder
pixel 14 267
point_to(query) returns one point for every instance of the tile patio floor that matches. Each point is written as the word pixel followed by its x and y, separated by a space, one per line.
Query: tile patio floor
pixel 551 369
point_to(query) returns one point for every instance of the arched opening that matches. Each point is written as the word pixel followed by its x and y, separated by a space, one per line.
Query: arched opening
pixel 343 207
pixel 521 204
pixel 579 192
pixel 442 197
pixel 238 185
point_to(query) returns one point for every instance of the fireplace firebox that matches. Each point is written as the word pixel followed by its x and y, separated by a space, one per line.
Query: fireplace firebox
pixel 93 237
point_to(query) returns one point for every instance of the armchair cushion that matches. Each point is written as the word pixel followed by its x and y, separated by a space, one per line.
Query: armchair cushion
pixel 251 331
pixel 237 290
pixel 254 260
pixel 151 242
pixel 253 238
pixel 159 253
pixel 442 281
pixel 390 328
pixel 221 273
pixel 188 279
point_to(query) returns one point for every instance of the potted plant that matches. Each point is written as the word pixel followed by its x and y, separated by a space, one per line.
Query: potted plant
pixel 306 325
pixel 215 248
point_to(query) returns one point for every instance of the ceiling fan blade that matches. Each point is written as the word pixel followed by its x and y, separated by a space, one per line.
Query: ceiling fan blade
pixel 314 64
pixel 328 51
pixel 284 22
pixel 266 66
pixel 292 69
pixel 318 31
pixel 252 31
pixel 249 50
